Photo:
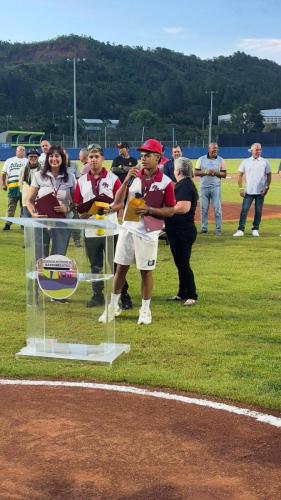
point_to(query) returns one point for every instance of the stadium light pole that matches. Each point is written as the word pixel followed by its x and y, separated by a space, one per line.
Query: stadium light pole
pixel 211 92
pixel 7 118
pixel 74 60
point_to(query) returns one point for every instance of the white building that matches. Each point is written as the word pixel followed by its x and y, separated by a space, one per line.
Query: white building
pixel 91 124
pixel 272 116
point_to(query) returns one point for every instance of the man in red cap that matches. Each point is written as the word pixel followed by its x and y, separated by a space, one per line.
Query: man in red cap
pixel 137 242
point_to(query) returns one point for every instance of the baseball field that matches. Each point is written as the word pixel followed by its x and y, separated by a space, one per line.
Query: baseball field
pixel 227 346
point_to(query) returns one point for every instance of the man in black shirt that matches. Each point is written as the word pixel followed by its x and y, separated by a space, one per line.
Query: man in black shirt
pixel 123 162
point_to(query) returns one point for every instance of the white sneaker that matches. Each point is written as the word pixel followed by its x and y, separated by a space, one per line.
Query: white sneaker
pixel 109 314
pixel 144 317
pixel 238 233
pixel 255 232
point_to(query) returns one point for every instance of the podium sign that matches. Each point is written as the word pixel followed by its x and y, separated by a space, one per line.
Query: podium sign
pixel 60 281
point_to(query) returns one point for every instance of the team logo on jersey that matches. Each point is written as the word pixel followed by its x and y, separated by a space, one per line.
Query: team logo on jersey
pixel 150 262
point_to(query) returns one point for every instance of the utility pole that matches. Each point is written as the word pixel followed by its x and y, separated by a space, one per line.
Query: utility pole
pixel 74 104
pixel 75 100
pixel 211 92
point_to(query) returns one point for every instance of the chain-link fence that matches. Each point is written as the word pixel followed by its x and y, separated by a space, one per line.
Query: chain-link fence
pixel 109 137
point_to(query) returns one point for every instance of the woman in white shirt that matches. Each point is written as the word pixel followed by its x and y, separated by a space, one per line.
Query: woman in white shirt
pixel 53 178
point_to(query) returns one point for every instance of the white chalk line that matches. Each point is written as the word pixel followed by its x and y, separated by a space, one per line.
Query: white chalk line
pixel 258 416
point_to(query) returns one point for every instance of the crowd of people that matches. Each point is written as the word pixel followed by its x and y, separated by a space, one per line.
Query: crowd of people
pixel 162 192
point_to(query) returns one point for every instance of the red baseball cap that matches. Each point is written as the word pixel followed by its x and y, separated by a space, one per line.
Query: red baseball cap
pixel 152 145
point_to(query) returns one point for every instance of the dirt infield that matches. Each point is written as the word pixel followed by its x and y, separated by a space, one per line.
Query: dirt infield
pixel 231 212
pixel 69 443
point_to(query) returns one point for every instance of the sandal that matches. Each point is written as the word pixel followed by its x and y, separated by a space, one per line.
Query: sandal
pixel 190 302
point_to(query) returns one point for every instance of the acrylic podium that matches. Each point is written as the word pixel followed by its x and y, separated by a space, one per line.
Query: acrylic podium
pixel 59 284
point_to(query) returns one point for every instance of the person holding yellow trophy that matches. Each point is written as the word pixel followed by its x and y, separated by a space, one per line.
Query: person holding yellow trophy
pixel 94 195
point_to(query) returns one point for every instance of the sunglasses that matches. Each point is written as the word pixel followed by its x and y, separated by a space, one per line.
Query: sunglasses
pixel 94 146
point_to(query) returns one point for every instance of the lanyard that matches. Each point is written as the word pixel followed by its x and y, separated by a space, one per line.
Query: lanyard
pixel 56 189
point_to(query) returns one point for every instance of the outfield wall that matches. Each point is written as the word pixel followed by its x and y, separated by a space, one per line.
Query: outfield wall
pixel 193 153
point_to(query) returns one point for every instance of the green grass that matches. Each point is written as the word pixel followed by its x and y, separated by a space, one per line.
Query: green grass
pixel 227 346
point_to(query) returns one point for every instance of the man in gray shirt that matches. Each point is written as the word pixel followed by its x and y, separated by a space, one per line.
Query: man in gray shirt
pixel 211 168
pixel 258 178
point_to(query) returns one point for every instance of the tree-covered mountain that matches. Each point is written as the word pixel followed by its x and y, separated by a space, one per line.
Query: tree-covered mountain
pixel 114 81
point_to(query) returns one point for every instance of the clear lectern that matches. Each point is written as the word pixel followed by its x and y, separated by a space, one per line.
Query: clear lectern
pixel 60 281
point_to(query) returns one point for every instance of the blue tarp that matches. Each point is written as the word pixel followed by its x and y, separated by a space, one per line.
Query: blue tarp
pixel 193 153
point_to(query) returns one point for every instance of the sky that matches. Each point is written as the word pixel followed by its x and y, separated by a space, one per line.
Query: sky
pixel 205 28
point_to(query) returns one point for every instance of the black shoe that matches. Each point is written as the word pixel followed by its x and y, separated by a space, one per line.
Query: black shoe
pixel 7 227
pixel 126 301
pixel 96 300
pixel 77 244
pixel 60 301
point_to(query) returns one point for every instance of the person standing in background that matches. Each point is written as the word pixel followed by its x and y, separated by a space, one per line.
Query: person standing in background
pixel 169 165
pixel 257 174
pixel 83 157
pixel 10 182
pixel 72 168
pixel 211 168
pixel 123 162
pixel 45 146
pixel 26 176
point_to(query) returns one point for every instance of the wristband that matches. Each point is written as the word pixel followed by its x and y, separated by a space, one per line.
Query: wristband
pixel 150 211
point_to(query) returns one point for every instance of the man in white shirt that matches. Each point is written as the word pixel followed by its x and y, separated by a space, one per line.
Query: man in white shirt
pixel 10 182
pixel 257 181
pixel 45 146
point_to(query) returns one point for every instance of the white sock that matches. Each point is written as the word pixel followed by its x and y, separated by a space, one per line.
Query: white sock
pixel 114 300
pixel 145 304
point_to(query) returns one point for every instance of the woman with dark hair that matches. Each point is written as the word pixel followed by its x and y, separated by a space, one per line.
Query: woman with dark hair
pixel 53 178
pixel 181 230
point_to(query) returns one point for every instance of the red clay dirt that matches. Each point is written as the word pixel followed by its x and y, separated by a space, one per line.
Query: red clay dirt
pixel 231 212
pixel 69 443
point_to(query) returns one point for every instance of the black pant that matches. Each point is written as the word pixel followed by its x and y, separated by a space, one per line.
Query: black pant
pixel 95 250
pixel 181 245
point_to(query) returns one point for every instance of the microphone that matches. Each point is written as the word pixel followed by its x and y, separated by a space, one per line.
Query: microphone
pixel 131 180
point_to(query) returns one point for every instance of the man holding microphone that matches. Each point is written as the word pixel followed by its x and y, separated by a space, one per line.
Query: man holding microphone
pixel 135 242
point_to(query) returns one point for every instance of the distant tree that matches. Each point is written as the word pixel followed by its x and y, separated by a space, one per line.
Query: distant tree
pixel 144 117
pixel 246 119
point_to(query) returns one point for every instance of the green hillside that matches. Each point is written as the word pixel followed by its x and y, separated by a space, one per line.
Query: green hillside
pixel 113 81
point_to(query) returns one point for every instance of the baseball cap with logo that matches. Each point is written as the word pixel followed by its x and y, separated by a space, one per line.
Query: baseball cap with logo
pixel 151 145
pixel 32 152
